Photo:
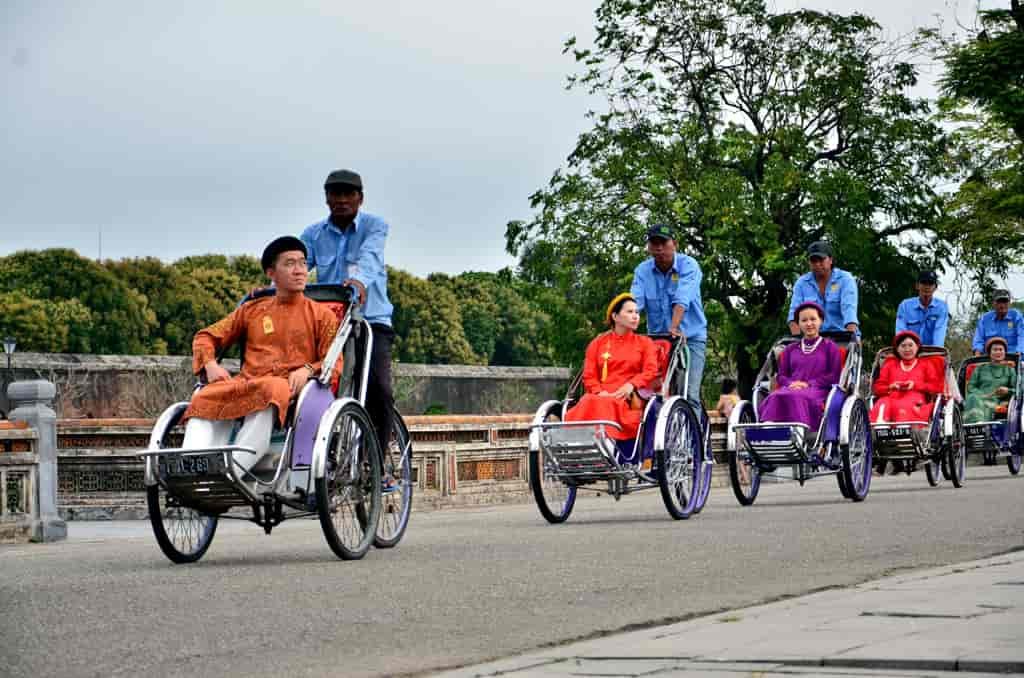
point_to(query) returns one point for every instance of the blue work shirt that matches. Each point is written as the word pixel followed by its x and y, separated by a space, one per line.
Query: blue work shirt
pixel 839 302
pixel 928 322
pixel 658 292
pixel 358 253
pixel 1008 328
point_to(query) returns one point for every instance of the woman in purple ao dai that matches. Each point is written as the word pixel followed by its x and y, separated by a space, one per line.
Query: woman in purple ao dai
pixel 807 370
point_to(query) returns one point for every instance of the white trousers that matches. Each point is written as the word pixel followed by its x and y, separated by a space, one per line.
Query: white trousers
pixel 255 433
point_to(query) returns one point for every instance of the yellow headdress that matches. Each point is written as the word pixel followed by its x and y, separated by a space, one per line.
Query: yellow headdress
pixel 608 313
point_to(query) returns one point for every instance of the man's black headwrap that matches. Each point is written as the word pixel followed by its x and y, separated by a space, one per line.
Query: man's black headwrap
pixel 286 243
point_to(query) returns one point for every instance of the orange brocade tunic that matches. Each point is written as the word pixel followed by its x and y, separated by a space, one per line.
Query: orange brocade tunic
pixel 610 362
pixel 280 337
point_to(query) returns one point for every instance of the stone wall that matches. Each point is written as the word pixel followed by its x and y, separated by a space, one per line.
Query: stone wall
pixel 103 386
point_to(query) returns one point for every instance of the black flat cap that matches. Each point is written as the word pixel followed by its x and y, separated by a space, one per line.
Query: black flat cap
pixel 344 178
pixel 660 231
pixel 928 278
pixel 286 243
pixel 819 248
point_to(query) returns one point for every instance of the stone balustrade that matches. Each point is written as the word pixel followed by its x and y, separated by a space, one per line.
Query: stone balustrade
pixel 28 466
pixel 457 461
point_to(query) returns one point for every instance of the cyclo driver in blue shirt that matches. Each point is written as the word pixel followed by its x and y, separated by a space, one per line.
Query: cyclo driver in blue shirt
pixel 667 286
pixel 924 314
pixel 348 248
pixel 833 289
pixel 1001 321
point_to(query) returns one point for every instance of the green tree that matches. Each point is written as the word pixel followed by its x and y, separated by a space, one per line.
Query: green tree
pixel 43 325
pixel 179 300
pixel 427 322
pixel 983 84
pixel 753 133
pixel 499 321
pixel 121 320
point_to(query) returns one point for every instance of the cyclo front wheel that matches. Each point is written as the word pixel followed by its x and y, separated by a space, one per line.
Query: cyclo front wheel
pixel 744 473
pixel 856 455
pixel 555 499
pixel 397 486
pixel 348 495
pixel 183 534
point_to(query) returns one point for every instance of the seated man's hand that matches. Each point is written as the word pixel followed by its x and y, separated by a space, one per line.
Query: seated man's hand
pixel 359 286
pixel 297 379
pixel 215 373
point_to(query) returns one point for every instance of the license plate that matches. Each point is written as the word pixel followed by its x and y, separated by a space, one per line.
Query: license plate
pixel 895 432
pixel 199 465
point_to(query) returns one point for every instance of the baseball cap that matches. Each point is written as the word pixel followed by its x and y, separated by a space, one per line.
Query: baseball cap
pixel 1001 295
pixel 928 278
pixel 660 231
pixel 344 178
pixel 819 248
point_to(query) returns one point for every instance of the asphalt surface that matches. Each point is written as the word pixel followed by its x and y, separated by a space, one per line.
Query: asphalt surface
pixel 466 586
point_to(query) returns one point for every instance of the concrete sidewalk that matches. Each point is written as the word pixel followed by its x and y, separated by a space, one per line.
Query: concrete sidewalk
pixel 967 618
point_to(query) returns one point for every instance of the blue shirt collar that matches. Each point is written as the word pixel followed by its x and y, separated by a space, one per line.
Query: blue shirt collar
pixel 355 223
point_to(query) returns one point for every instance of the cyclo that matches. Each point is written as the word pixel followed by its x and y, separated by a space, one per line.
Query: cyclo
pixel 938 443
pixel 841 446
pixel 325 462
pixel 1001 437
pixel 671 450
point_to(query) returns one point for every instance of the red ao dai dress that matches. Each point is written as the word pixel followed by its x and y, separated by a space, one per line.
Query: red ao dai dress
pixel 914 404
pixel 611 361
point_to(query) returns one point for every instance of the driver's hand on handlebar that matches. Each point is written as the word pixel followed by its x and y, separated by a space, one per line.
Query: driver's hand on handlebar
pixel 678 333
pixel 360 287
pixel 215 373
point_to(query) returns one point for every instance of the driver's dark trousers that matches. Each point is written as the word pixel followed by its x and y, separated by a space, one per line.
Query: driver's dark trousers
pixel 380 399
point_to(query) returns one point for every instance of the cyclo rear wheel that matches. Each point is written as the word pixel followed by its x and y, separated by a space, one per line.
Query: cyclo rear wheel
pixel 397 490
pixel 856 455
pixel 956 451
pixel 348 495
pixel 677 448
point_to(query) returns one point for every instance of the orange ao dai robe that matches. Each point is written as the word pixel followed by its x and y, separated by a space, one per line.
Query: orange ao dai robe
pixel 913 405
pixel 280 337
pixel 610 362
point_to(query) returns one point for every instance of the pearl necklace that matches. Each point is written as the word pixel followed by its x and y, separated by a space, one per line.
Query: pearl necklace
pixel 813 347
pixel 908 369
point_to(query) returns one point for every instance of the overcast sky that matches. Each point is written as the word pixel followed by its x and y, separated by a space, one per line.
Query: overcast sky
pixel 191 127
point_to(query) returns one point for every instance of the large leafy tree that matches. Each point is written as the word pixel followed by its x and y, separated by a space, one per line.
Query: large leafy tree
pixel 500 322
pixel 753 133
pixel 983 84
pixel 103 314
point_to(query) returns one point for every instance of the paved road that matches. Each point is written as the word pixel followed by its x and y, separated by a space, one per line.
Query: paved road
pixel 468 585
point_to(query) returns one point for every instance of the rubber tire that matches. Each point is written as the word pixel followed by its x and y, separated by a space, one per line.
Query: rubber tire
pixel 153 494
pixel 744 498
pixel 707 457
pixel 401 433
pixel 957 466
pixel 552 515
pixel 678 507
pixel 859 419
pixel 1013 462
pixel 371 455
pixel 933 471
